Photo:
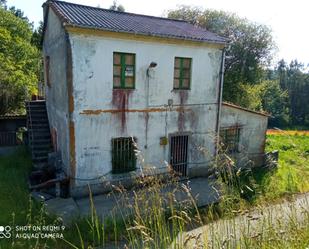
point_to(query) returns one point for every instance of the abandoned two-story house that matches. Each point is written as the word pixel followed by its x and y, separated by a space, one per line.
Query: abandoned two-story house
pixel 119 81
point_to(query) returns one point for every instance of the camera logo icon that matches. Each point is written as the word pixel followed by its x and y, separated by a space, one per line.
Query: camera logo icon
pixel 5 232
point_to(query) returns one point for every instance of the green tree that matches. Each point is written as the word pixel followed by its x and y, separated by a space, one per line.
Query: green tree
pixel 36 38
pixel 276 102
pixel 18 62
pixel 297 83
pixel 117 7
pixel 19 13
pixel 250 50
pixel 2 3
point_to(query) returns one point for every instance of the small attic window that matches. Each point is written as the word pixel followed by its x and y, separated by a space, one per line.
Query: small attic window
pixel 47 70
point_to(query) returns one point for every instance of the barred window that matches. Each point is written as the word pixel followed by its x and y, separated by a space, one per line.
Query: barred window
pixel 229 138
pixel 123 155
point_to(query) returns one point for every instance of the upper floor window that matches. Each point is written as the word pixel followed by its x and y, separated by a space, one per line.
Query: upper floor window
pixel 182 73
pixel 124 71
pixel 229 138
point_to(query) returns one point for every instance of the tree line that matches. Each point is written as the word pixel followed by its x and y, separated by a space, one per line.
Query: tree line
pixel 249 79
pixel 20 58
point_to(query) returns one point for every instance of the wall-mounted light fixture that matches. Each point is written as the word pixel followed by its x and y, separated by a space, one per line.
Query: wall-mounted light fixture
pixel 151 65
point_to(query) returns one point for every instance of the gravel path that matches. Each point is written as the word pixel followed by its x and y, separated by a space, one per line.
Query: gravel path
pixel 226 233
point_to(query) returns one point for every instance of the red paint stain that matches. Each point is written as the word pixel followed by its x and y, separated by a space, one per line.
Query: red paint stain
pixel 120 101
pixel 193 117
pixel 183 97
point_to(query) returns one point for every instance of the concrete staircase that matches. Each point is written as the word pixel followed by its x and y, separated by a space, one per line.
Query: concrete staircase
pixel 38 131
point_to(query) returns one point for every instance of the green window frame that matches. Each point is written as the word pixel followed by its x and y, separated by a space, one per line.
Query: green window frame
pixel 182 73
pixel 123 155
pixel 123 70
pixel 229 139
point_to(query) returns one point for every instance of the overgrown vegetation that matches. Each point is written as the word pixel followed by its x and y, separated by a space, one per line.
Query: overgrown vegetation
pixel 20 60
pixel 249 80
pixel 152 221
pixel 17 207
pixel 293 171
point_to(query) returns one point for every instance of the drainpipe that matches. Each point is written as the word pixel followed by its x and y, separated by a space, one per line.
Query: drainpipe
pixel 147 106
pixel 219 100
pixel 148 76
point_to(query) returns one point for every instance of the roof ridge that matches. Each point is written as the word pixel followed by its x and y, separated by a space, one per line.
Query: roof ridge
pixel 115 11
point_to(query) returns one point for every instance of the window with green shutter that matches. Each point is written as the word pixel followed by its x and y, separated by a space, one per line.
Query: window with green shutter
pixel 182 73
pixel 124 71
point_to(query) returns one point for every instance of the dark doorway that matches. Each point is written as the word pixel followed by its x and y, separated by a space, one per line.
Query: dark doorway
pixel 179 153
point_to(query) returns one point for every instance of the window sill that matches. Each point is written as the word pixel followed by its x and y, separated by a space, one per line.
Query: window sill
pixel 181 89
pixel 124 89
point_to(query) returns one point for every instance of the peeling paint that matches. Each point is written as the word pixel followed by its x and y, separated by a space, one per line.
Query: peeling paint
pixel 194 119
pixel 72 149
pixel 101 113
pixel 183 97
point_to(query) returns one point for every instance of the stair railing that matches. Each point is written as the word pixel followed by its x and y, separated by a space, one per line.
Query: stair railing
pixel 30 136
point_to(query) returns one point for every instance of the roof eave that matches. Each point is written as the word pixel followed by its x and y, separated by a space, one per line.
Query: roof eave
pixel 69 25
pixel 246 109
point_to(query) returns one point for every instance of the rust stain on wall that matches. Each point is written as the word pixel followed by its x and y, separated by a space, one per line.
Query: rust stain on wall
pixel 72 148
pixel 194 119
pixel 117 111
pixel 183 97
pixel 120 101
pixel 69 77
pixel 54 138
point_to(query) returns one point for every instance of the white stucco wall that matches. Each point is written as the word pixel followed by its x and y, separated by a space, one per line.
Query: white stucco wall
pixel 54 46
pixel 93 91
pixel 253 129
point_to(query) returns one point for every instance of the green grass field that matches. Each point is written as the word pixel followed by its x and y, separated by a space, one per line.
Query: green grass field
pixel 292 175
pixel 14 195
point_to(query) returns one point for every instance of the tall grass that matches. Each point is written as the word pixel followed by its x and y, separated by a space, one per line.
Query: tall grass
pixel 155 220
pixel 152 219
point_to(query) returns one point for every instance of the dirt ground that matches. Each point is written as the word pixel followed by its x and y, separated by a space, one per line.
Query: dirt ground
pixel 287 132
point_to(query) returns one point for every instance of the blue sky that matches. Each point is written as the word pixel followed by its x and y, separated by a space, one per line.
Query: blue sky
pixel 288 19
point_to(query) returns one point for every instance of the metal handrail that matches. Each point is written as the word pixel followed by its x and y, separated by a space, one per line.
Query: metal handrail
pixel 30 140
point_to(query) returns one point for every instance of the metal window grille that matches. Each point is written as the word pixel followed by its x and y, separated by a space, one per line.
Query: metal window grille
pixel 8 138
pixel 123 155
pixel 230 139
pixel 179 154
